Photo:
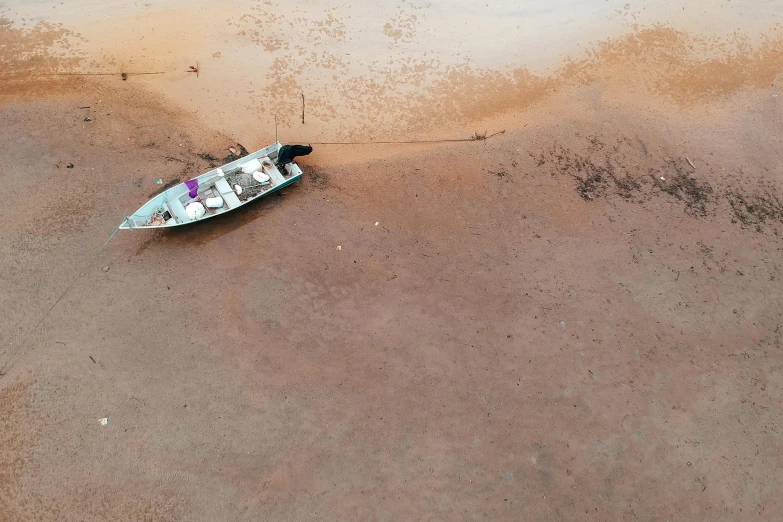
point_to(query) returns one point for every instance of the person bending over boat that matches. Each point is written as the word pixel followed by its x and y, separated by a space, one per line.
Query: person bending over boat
pixel 287 153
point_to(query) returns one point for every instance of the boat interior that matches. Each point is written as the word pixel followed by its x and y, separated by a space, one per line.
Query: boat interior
pixel 215 192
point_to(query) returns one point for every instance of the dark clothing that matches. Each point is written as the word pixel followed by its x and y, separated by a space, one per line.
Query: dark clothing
pixel 287 153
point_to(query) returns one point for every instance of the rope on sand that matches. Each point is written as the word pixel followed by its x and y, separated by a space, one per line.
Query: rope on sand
pixel 122 74
pixel 475 137
pixel 20 350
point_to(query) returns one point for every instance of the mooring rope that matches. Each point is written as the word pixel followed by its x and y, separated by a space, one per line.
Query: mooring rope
pixel 475 137
pixel 19 351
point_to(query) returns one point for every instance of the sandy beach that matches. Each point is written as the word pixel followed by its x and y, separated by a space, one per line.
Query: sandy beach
pixel 576 319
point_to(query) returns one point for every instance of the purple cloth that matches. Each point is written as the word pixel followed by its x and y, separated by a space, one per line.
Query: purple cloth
pixel 192 185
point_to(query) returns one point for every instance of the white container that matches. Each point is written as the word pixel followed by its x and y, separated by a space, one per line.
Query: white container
pixel 238 189
pixel 261 177
pixel 251 166
pixel 216 202
pixel 195 210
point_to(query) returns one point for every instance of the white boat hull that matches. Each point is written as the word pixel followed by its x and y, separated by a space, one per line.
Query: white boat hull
pixel 172 202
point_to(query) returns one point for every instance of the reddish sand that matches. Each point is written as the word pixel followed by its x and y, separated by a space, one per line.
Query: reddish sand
pixel 579 319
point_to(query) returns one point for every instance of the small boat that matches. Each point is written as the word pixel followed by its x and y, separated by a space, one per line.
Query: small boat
pixel 218 191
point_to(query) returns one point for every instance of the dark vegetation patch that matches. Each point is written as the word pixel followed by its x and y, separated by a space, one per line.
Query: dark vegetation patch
pixel 214 161
pixel 317 176
pixel 755 210
pixel 207 157
pixel 675 180
pixel 241 152
pixel 595 177
pixel 603 169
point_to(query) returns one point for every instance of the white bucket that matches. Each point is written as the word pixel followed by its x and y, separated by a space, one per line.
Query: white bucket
pixel 261 177
pixel 251 166
pixel 216 202
pixel 195 210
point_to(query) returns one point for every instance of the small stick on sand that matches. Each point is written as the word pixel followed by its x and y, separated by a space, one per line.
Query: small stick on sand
pixel 690 162
pixel 303 107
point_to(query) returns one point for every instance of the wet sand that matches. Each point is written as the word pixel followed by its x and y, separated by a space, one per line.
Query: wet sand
pixel 577 319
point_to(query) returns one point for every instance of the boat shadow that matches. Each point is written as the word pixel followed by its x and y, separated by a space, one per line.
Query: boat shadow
pixel 204 232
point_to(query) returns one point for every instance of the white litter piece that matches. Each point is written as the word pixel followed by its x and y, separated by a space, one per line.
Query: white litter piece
pixel 261 177
pixel 251 166
pixel 339 247
pixel 220 172
pixel 663 179
pixel 159 181
pixel 104 421
pixel 377 223
pixel 195 210
pixel 238 189
pixel 216 202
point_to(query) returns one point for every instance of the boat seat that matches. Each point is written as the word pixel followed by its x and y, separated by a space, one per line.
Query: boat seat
pixel 277 177
pixel 227 193
pixel 178 211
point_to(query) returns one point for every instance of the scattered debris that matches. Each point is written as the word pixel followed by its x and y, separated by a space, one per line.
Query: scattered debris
pixel 87 118
pixel 167 186
pixel 377 223
pixel 232 150
pixel 85 107
pixel 598 175
pixel 69 166
pixel 194 69
pixel 303 108
pixel 207 157
pixel 339 247
pixel 478 137
pixel 160 181
pixel 105 268
pixel 319 177
pixel 696 195
pixel 104 421
pixel 92 359
pixel 124 76
pixel 756 209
